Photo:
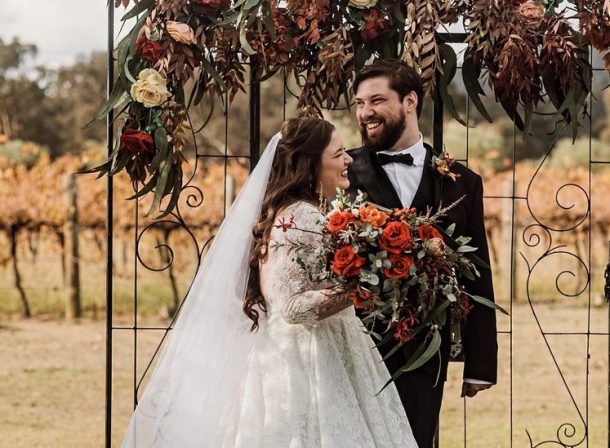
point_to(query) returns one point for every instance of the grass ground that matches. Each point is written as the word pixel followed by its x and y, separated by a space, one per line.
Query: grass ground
pixel 52 383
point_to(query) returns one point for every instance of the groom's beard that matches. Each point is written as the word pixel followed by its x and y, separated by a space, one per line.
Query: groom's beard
pixel 392 130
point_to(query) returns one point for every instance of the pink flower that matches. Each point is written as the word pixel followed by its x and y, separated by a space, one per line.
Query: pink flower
pixel 180 32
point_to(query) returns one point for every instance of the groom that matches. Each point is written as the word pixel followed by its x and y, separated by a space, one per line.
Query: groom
pixel 394 167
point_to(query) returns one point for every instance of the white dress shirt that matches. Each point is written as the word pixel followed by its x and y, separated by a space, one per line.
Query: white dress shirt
pixel 406 179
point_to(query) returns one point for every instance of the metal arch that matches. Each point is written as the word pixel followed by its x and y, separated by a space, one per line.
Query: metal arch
pixel 565 432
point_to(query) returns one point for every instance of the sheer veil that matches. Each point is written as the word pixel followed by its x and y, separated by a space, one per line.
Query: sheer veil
pixel 195 383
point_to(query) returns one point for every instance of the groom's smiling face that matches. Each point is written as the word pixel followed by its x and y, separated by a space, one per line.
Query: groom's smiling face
pixel 380 114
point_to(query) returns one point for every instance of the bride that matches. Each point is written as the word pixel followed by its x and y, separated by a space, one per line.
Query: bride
pixel 260 356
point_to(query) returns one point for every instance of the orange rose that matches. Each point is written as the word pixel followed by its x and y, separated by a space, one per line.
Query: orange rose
pixel 346 263
pixel 359 297
pixel 401 265
pixel 396 237
pixel 426 232
pixel 339 220
pixel 371 214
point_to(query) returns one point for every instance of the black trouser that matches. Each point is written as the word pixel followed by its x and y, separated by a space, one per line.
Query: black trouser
pixel 422 402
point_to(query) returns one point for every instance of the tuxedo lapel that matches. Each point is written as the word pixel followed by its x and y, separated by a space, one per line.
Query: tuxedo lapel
pixel 375 181
pixel 429 192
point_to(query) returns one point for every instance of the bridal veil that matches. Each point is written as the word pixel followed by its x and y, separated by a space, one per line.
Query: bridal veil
pixel 195 383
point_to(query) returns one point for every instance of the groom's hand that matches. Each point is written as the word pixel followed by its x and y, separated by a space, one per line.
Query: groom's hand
pixel 470 390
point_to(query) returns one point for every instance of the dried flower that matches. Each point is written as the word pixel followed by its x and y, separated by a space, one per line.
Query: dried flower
pixel 150 88
pixel 435 247
pixel 362 4
pixel 531 10
pixel 180 32
pixel 442 165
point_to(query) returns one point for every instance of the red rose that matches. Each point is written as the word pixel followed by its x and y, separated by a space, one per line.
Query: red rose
pixel 339 220
pixel 359 297
pixel 137 142
pixel 426 232
pixel 401 265
pixel 396 237
pixel 346 263
pixel 374 26
pixel 148 49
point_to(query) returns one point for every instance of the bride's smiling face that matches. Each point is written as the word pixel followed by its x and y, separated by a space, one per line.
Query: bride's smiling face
pixel 333 167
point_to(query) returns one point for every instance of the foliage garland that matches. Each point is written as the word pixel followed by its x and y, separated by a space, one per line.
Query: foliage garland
pixel 527 51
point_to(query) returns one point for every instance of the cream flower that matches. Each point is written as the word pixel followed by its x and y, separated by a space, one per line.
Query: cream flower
pixel 150 88
pixel 180 32
pixel 435 247
pixel 362 4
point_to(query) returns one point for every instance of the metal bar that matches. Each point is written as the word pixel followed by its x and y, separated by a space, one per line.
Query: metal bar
pixel 437 123
pixel 255 115
pixel 452 38
pixel 607 296
pixel 109 232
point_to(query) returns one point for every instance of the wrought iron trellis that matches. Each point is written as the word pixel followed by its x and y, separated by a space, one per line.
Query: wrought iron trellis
pixel 531 237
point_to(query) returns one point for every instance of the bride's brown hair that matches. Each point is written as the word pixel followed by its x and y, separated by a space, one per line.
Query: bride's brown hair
pixel 294 177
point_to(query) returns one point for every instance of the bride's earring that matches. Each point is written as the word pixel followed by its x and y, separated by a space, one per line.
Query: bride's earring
pixel 322 199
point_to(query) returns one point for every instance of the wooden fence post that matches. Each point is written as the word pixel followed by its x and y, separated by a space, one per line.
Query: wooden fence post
pixel 72 279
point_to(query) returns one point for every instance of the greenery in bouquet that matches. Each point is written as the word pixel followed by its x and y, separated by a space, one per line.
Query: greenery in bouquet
pixel 181 54
pixel 400 269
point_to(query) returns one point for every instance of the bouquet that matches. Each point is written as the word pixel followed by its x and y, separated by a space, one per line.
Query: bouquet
pixel 401 270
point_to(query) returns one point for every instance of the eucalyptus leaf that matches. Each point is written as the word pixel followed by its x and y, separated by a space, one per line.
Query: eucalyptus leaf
pixel 465 248
pixel 115 98
pixel 489 303
pixel 471 70
pixel 138 8
pixel 449 231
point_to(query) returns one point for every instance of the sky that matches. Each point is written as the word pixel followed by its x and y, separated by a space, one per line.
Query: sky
pixel 61 29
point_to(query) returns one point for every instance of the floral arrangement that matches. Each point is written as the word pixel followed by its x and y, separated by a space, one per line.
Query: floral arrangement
pixel 399 268
pixel 182 52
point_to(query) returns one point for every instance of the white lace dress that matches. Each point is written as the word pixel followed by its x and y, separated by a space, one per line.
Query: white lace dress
pixel 312 383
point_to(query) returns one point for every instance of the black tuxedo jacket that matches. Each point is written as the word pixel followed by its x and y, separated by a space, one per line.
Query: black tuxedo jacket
pixel 480 341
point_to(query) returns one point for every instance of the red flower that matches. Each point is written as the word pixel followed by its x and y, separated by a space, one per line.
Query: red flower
pixel 426 232
pixel 403 332
pixel 148 49
pixel 339 220
pixel 374 26
pixel 396 237
pixel 347 263
pixel 401 265
pixel 359 297
pixel 137 142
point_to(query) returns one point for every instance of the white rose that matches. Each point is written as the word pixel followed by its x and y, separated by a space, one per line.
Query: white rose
pixel 150 88
pixel 362 4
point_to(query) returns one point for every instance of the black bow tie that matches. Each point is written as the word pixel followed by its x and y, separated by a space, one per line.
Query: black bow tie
pixel 384 159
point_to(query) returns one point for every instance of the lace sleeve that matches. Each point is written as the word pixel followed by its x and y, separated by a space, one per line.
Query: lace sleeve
pixel 300 300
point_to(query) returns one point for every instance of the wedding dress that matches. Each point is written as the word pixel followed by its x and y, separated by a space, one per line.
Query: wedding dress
pixel 311 383
pixel 298 382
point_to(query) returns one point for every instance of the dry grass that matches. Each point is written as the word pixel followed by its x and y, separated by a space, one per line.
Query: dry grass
pixel 52 383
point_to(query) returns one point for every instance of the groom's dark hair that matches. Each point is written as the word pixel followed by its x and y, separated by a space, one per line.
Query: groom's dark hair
pixel 403 78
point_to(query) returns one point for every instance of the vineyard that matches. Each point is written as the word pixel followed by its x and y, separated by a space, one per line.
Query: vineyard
pixel 35 213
